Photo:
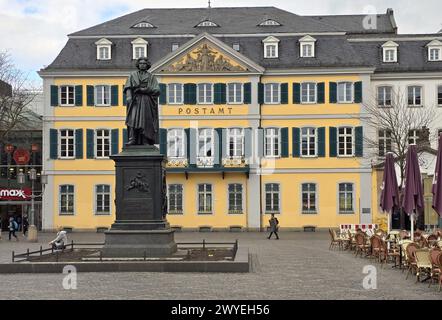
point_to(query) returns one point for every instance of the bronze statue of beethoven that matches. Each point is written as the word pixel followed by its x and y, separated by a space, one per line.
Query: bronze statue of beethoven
pixel 142 92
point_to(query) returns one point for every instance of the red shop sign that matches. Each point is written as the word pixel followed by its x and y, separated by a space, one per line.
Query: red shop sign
pixel 22 156
pixel 15 194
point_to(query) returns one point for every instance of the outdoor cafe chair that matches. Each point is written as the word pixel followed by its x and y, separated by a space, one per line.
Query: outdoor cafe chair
pixel 392 252
pixel 423 263
pixel 361 244
pixel 403 234
pixel 335 241
pixel 411 258
pixel 376 247
pixel 352 241
pixel 439 244
pixel 435 269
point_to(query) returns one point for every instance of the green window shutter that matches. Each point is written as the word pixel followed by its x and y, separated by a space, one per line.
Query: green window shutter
pixel 333 92
pixel 296 143
pixel 284 93
pixel 163 94
pixel 90 137
pixel 248 143
pixel 53 142
pixel 218 143
pixel 296 93
pixel 125 137
pixel 333 142
pixel 79 96
pixel 220 93
pixel 163 142
pixel 115 141
pixel 114 96
pixel 90 96
pixel 321 92
pixel 359 142
pixel 358 92
pixel 187 137
pixel 124 97
pixel 54 96
pixel 79 144
pixel 321 142
pixel 192 143
pixel 260 93
pixel 248 93
pixel 284 142
pixel 190 93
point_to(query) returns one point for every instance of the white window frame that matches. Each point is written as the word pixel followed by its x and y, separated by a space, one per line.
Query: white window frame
pixel 272 144
pixel 207 23
pixel 205 193
pixel 269 22
pixel 346 135
pixel 439 86
pixel 60 139
pixel 309 195
pixel 353 209
pixel 169 197
pixel 339 85
pixel 414 95
pixel 236 198
pixel 96 140
pixel 172 89
pixel 272 193
pixel 205 85
pixel 439 52
pixel 60 194
pixel 96 193
pixel 176 133
pixel 236 47
pixel 236 99
pixel 206 137
pixel 382 136
pixel 67 86
pixel 272 93
pixel 235 138
pixel 175 46
pixel 384 93
pixel 415 136
pixel 308 136
pixel 136 44
pixel 102 95
pixel 271 41
pixel 315 97
pixel 106 44
pixel 390 46
pixel 143 24
pixel 307 41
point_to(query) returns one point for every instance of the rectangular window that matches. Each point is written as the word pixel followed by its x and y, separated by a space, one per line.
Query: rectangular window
pixel 236 142
pixel 102 96
pixel 390 55
pixel 308 92
pixel 175 46
pixel 205 199
pixel 102 201
pixel 67 200
pixel 205 143
pixel 234 93
pixel 104 53
pixel 175 198
pixel 271 93
pixel 140 52
pixel 236 46
pixel 345 92
pixel 345 141
pixel 384 96
pixel 272 139
pixel 67 95
pixel 346 198
pixel 175 93
pixel 439 95
pixel 307 50
pixel 205 93
pixel 235 198
pixel 309 198
pixel 67 144
pixel 175 143
pixel 415 96
pixel 308 142
pixel 102 143
pixel 272 197
pixel 413 136
pixel 435 54
pixel 384 142
pixel 270 51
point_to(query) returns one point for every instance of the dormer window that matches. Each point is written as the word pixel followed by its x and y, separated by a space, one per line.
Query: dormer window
pixel 207 23
pixel 139 48
pixel 104 49
pixel 175 46
pixel 236 46
pixel 269 22
pixel 143 24
pixel 307 47
pixel 389 52
pixel 271 45
pixel 435 50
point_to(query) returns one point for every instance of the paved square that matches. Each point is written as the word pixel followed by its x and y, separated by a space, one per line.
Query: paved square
pixel 299 266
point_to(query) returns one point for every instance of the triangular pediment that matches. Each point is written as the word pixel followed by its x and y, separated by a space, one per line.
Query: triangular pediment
pixel 206 54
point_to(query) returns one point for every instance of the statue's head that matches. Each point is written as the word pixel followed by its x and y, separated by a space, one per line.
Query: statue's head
pixel 143 64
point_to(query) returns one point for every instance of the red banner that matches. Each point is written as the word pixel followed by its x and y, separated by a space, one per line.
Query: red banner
pixel 15 194
pixel 22 157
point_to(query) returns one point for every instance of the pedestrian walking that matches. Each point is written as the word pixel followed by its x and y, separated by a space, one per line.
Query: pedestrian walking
pixel 25 225
pixel 13 226
pixel 19 221
pixel 274 225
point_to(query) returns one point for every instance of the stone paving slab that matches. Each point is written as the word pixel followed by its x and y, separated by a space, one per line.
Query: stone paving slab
pixel 299 266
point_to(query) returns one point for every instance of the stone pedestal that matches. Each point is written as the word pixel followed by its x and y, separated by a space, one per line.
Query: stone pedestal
pixel 141 226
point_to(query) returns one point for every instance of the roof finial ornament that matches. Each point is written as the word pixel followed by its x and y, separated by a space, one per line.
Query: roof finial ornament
pixel 209 4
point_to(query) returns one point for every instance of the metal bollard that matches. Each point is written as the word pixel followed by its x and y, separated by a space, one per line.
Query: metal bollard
pixel 41 251
pixel 13 256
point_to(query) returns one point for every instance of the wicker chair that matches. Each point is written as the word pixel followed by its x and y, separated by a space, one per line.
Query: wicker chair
pixel 410 258
pixel 361 244
pixel 335 241
pixel 422 241
pixel 423 263
pixel 352 241
pixel 376 247
pixel 387 253
pixel 435 269
pixel 403 234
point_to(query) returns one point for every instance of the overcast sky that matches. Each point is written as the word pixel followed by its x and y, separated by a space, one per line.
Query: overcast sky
pixel 34 31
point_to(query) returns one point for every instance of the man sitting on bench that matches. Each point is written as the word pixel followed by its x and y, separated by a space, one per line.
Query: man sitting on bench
pixel 59 243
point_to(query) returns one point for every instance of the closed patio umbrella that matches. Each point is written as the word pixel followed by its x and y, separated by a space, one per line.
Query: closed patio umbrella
pixel 437 183
pixel 390 190
pixel 413 202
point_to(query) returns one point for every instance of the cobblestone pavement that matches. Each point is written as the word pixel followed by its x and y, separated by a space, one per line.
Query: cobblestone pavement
pixel 299 266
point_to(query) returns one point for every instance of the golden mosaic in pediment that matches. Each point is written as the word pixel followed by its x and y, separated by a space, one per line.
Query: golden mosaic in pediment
pixel 205 59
